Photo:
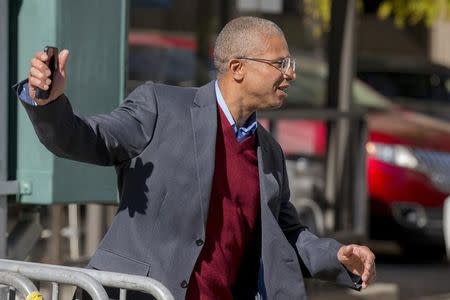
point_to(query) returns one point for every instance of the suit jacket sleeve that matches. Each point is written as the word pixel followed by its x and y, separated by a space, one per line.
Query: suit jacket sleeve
pixel 317 256
pixel 105 139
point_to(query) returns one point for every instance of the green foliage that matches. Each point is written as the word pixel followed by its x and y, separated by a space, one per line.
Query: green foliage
pixel 411 12
pixel 318 14
pixel 404 12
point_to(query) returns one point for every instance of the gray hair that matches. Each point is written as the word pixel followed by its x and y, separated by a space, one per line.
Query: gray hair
pixel 243 36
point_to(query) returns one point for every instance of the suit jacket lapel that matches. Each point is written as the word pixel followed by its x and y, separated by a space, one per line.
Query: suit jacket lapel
pixel 204 126
pixel 269 187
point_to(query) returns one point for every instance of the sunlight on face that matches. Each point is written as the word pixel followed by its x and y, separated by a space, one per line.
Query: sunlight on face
pixel 265 83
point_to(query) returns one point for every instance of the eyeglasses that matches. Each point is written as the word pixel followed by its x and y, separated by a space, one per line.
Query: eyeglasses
pixel 284 65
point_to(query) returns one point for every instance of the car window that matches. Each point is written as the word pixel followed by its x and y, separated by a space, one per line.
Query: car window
pixel 171 66
pixel 162 59
pixel 406 85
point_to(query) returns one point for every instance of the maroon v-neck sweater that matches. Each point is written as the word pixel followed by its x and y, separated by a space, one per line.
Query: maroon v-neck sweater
pixel 233 215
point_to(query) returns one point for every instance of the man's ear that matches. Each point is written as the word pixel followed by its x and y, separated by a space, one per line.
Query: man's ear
pixel 237 69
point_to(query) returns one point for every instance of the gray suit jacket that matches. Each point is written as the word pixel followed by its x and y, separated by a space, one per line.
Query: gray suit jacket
pixel 161 141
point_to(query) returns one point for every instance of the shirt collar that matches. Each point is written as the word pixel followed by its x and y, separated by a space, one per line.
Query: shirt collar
pixel 249 126
pixel 223 105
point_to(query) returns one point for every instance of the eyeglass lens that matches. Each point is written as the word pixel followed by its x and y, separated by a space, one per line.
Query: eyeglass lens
pixel 288 63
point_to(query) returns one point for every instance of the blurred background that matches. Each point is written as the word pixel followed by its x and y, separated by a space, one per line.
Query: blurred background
pixel 365 129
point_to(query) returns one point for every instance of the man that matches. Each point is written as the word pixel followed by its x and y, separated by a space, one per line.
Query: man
pixel 203 188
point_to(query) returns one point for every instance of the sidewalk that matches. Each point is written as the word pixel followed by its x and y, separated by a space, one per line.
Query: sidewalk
pixel 319 290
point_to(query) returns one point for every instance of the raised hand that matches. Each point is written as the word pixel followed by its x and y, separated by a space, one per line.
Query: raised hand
pixel 40 73
pixel 360 261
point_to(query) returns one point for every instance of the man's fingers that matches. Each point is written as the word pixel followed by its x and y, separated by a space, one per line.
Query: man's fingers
pixel 369 273
pixel 38 74
pixel 63 56
pixel 40 65
pixel 369 266
pixel 365 276
pixel 38 79
pixel 367 280
pixel 371 278
pixel 41 55
pixel 348 250
pixel 344 254
pixel 35 82
pixel 365 254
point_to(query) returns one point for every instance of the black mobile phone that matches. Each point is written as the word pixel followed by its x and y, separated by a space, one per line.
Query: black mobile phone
pixel 52 63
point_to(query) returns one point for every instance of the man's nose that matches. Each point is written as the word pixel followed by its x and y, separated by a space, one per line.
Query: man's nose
pixel 290 75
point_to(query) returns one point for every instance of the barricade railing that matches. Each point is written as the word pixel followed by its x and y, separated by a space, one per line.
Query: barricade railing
pixel 21 284
pixel 92 281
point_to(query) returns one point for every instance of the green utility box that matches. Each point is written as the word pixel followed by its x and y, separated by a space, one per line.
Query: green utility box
pixel 95 32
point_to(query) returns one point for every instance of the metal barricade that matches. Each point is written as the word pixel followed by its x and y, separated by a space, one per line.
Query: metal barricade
pixel 19 283
pixel 17 274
